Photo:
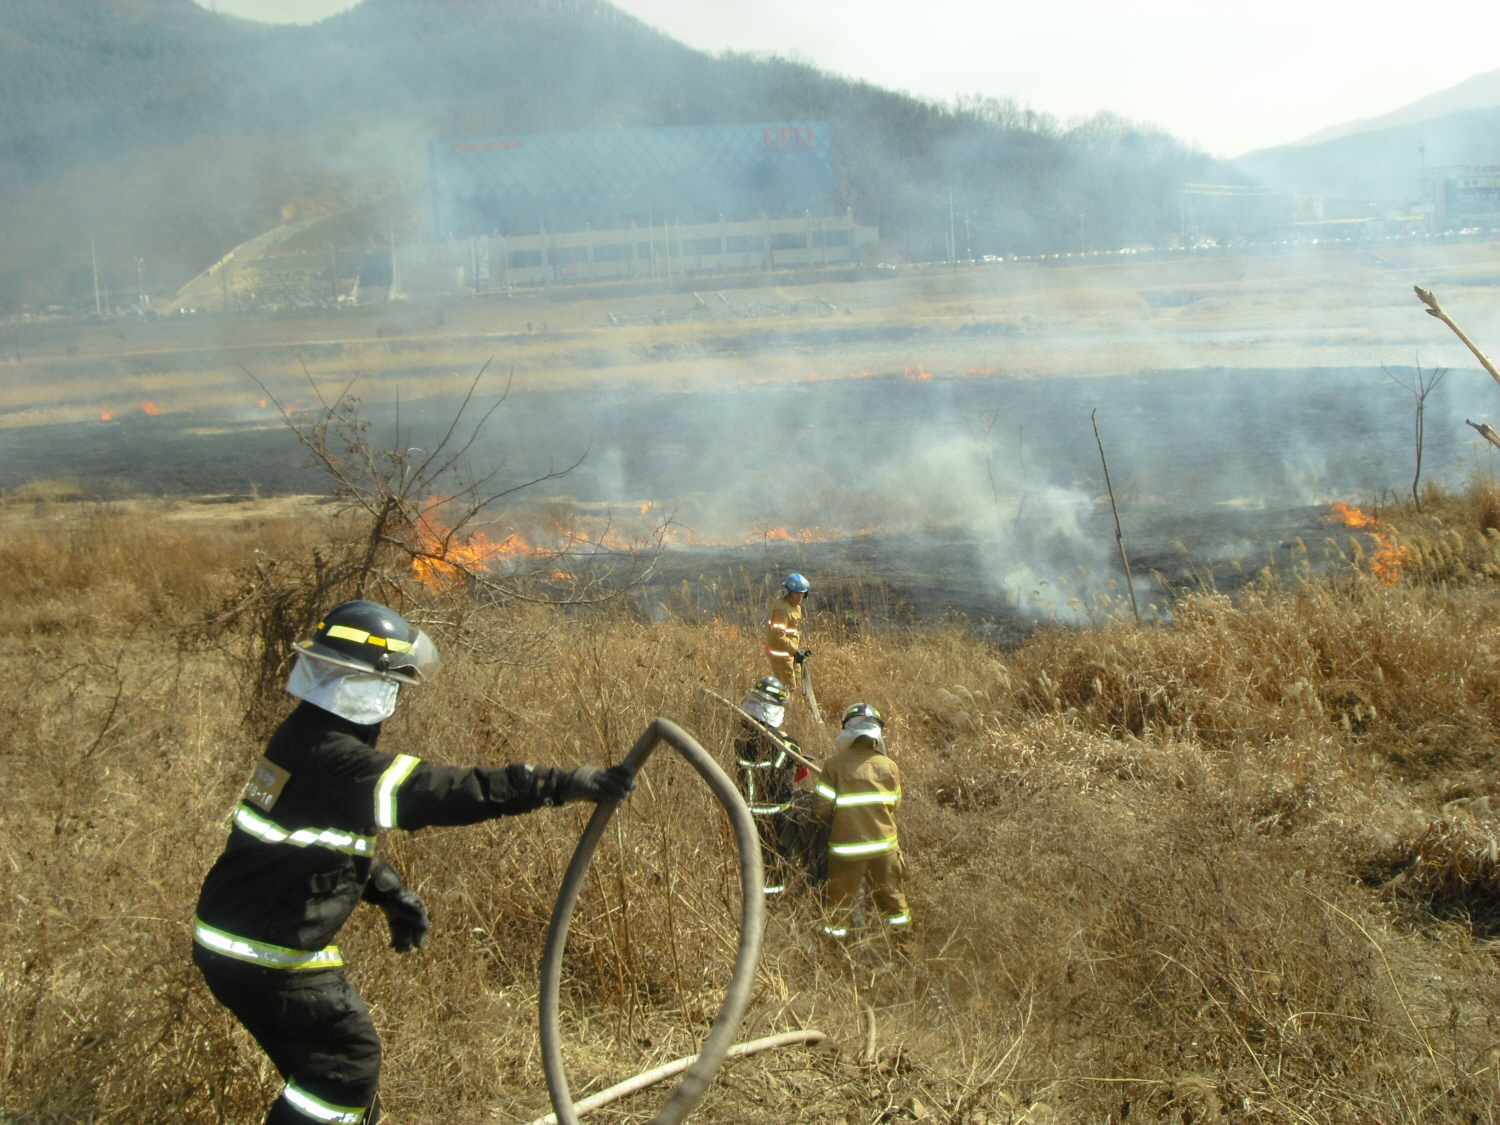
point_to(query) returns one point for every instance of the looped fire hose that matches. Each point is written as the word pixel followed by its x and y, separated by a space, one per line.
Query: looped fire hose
pixel 752 928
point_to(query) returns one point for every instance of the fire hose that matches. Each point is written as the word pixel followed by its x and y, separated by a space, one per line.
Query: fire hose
pixel 737 996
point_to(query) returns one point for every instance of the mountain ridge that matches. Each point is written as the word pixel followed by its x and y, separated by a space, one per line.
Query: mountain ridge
pixel 1383 164
pixel 174 133
pixel 1478 91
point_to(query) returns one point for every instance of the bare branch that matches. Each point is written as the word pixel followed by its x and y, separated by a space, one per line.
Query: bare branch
pixel 1435 309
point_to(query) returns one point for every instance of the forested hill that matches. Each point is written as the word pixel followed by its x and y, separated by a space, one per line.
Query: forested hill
pixel 172 133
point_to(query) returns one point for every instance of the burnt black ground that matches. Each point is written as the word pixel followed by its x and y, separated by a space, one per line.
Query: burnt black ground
pixel 1210 467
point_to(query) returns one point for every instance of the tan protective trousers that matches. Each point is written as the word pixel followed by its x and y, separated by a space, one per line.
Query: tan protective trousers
pixel 884 873
pixel 785 670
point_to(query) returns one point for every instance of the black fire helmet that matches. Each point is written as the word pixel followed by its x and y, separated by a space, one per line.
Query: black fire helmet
pixel 863 711
pixel 771 690
pixel 369 637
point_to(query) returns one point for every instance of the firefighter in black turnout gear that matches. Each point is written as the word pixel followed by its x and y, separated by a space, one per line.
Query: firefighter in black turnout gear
pixel 301 856
pixel 767 774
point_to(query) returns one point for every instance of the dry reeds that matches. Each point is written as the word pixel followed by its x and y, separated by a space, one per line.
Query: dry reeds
pixel 1134 858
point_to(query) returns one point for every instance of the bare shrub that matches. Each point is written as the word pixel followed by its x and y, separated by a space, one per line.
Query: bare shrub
pixel 404 533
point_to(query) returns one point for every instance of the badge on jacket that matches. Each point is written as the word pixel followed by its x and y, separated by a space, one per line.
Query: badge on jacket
pixel 265 784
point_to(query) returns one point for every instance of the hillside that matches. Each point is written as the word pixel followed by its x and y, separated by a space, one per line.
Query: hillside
pixel 1381 163
pixel 1481 91
pixel 174 133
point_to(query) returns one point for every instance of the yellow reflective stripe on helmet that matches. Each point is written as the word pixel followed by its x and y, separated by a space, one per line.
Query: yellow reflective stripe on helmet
pixel 873 847
pixel 263 953
pixel 844 800
pixel 827 792
pixel 319 1110
pixel 385 792
pixel 359 636
pixel 898 919
pixel 248 820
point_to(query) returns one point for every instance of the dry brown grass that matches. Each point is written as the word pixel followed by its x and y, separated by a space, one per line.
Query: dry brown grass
pixel 1143 862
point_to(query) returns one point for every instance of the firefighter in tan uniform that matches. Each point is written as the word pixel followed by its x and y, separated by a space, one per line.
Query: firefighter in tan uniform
pixel 784 631
pixel 858 792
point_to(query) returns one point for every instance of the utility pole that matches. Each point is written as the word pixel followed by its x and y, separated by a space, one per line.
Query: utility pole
pixel 395 269
pixel 952 245
pixel 1422 184
pixel 94 258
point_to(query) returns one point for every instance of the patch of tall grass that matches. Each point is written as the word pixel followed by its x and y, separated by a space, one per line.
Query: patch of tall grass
pixel 1167 873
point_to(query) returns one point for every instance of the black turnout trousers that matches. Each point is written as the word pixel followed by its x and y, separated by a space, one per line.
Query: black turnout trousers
pixel 321 1039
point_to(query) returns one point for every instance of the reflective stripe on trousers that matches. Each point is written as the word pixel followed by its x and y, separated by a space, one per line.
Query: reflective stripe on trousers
pixel 248 820
pixel 264 953
pixel 319 1110
pixel 860 850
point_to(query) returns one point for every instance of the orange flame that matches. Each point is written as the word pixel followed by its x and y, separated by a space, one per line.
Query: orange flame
pixel 447 558
pixel 150 408
pixel 1390 555
pixel 106 416
pixel 920 374
pixel 262 404
pixel 1350 516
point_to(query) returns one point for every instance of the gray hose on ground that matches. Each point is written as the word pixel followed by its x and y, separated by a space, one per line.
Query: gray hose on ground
pixel 752 928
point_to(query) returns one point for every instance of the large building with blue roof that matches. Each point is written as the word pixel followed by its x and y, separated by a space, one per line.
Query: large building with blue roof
pixel 601 179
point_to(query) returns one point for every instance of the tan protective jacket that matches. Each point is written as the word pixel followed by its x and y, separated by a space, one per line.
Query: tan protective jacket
pixel 783 631
pixel 860 789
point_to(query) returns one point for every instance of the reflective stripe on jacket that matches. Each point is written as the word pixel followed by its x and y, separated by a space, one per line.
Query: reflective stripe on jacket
pixel 783 629
pixel 766 773
pixel 301 848
pixel 859 791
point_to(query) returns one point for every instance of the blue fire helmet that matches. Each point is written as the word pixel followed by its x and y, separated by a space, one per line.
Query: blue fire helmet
pixel 794 583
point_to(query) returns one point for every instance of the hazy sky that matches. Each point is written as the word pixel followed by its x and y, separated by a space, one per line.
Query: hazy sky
pixel 1228 74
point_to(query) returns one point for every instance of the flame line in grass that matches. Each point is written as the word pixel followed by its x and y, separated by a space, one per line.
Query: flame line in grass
pixel 1390 555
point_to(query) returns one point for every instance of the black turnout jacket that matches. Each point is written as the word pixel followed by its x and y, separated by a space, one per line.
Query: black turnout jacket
pixel 301 850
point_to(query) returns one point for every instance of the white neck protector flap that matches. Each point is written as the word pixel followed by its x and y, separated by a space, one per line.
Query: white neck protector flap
pixel 865 728
pixel 361 697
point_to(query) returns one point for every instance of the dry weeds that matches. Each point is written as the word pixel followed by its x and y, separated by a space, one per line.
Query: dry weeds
pixel 1227 869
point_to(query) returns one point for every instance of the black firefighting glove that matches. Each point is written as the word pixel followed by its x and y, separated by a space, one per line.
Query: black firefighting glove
pixel 595 783
pixel 403 910
pixel 801 654
pixel 408 920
